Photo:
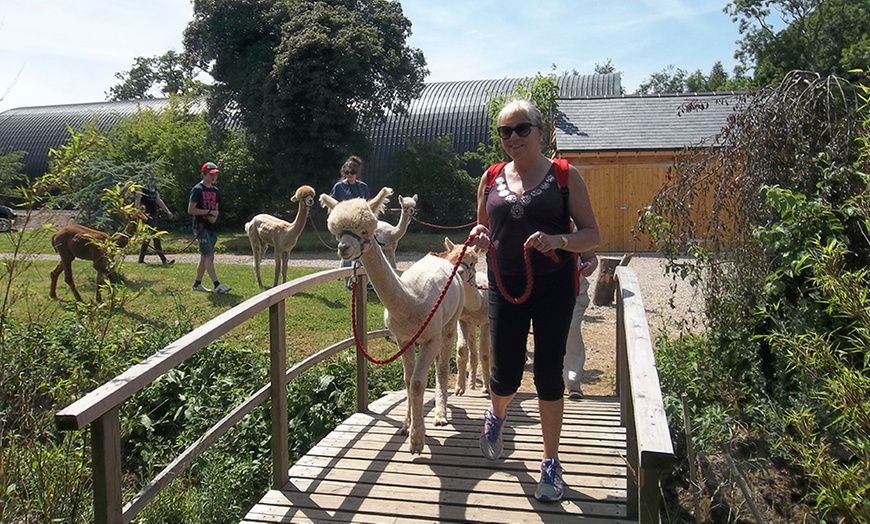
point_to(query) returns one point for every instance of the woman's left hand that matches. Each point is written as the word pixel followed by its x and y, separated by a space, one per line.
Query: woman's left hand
pixel 542 242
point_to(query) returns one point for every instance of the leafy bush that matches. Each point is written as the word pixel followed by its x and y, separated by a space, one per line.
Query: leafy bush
pixel 784 198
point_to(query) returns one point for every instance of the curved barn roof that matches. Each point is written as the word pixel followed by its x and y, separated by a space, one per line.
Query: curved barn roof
pixel 37 129
pixel 460 108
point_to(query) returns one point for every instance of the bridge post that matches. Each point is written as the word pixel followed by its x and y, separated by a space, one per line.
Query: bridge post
pixel 106 463
pixel 278 394
pixel 361 320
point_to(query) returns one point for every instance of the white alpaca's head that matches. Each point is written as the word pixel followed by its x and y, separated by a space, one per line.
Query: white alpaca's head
pixel 304 194
pixel 409 204
pixel 353 222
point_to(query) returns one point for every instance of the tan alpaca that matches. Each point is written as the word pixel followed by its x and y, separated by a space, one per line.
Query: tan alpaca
pixel 475 315
pixel 408 300
pixel 389 235
pixel 265 230
pixel 77 241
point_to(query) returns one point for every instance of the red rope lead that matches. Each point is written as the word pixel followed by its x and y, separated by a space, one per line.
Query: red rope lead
pixel 425 322
pixel 525 296
pixel 504 293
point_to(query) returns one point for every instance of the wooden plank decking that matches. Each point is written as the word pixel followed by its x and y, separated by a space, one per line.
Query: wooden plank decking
pixel 362 471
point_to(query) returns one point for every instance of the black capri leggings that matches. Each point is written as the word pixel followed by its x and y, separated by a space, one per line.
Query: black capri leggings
pixel 548 310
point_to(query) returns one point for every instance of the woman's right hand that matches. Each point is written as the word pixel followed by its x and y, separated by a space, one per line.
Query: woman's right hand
pixel 480 237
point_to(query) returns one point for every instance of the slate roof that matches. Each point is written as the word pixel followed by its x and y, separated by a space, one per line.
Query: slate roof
pixel 642 123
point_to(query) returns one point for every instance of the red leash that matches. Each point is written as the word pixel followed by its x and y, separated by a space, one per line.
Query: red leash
pixel 520 300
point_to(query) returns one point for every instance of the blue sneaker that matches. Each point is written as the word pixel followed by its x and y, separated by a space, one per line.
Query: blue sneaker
pixel 550 487
pixel 491 441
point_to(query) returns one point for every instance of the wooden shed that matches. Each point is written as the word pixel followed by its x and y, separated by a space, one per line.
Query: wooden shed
pixel 624 147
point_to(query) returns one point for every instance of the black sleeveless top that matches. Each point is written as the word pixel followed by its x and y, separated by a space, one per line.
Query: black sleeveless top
pixel 513 218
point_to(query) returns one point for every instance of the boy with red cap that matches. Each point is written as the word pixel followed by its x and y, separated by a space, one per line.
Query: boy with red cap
pixel 204 205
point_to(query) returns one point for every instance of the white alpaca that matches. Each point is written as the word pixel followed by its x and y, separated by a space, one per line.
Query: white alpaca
pixel 265 230
pixel 408 301
pixel 475 315
pixel 389 235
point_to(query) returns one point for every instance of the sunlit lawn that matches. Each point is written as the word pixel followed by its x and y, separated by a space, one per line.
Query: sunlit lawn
pixel 161 295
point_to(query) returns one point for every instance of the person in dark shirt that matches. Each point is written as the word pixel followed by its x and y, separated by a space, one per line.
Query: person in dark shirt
pixel 204 205
pixel 350 186
pixel 149 201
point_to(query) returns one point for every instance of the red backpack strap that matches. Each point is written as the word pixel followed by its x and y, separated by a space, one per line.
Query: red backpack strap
pixel 491 173
pixel 562 172
pixel 561 165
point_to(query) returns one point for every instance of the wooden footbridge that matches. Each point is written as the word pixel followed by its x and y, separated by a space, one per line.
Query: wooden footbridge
pixel 613 449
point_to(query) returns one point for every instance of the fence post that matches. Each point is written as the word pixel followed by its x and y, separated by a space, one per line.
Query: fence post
pixel 278 393
pixel 361 320
pixel 106 462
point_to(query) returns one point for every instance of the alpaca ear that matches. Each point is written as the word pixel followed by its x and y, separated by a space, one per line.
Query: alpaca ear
pixel 378 203
pixel 447 243
pixel 415 198
pixel 328 202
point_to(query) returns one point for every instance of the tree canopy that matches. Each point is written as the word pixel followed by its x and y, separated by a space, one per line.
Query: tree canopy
pixel 827 37
pixel 172 73
pixel 304 75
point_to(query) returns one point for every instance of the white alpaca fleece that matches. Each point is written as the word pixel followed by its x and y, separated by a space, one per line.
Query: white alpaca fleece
pixel 355 215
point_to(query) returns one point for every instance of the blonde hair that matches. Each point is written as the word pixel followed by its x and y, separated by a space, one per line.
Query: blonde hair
pixel 526 108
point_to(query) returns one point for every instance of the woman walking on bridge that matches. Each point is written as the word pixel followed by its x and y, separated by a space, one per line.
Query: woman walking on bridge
pixel 529 208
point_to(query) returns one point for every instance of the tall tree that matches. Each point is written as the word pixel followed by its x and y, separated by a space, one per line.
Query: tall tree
pixel 824 36
pixel 170 73
pixel 303 75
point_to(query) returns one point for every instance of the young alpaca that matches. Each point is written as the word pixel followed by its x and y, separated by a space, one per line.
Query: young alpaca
pixel 408 301
pixel 389 235
pixel 77 241
pixel 475 315
pixel 265 230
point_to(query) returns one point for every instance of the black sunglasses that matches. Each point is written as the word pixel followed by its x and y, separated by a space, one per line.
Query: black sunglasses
pixel 523 129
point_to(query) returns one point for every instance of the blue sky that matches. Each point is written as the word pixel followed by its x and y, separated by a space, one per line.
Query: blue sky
pixel 62 52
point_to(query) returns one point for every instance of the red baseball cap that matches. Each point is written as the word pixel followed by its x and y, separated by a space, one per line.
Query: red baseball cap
pixel 209 167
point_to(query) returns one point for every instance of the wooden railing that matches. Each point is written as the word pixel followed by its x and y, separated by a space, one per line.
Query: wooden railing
pixel 100 408
pixel 649 447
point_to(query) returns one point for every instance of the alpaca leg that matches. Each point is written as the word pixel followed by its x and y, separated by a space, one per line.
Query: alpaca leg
pixel 278 257
pixel 473 355
pixel 462 357
pixel 55 273
pixel 258 257
pixel 68 278
pixel 442 374
pixel 416 390
pixel 101 281
pixel 407 371
pixel 485 351
pixel 285 258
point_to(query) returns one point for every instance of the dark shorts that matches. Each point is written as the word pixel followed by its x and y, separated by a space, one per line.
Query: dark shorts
pixel 207 240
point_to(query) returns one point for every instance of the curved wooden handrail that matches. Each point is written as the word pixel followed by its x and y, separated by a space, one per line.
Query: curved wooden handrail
pixel 99 409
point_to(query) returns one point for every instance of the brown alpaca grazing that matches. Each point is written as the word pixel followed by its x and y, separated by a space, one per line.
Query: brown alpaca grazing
pixel 77 241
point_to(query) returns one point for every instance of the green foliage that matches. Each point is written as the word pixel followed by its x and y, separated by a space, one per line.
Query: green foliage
pixel 827 37
pixel 11 175
pixel 306 76
pixel 785 283
pixel 432 171
pixel 173 73
pixel 677 80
